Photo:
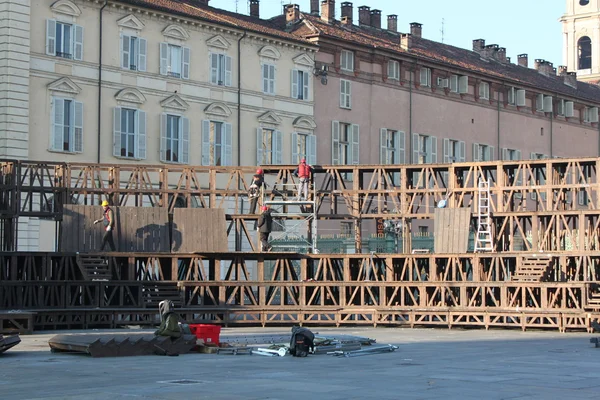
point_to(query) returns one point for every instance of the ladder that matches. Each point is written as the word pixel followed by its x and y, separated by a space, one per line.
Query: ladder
pixel 483 240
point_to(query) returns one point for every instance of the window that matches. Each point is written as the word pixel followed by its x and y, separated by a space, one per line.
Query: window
pixel 584 52
pixel 516 97
pixel 511 155
pixel 268 146
pixel 424 149
pixel 484 91
pixel 216 143
pixel 512 96
pixel 394 70
pixel 174 139
pixel 454 151
pixel 515 177
pixel 423 230
pixel 454 83
pixel 133 53
pixel 345 94
pixel 345 143
pixel 425 77
pixel 67 125
pixel 346 228
pixel 483 152
pixel 220 69
pixel 64 40
pixel 174 61
pixel 392 147
pixel 129 138
pixel 300 84
pixel 304 145
pixel 590 114
pixel 560 107
pixel 347 60
pixel 543 103
pixel 268 78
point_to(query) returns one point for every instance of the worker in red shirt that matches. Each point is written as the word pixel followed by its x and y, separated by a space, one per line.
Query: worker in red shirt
pixel 303 172
pixel 258 181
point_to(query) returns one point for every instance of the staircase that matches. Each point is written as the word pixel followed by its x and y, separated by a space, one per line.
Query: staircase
pixel 94 268
pixel 483 239
pixel 155 292
pixel 532 269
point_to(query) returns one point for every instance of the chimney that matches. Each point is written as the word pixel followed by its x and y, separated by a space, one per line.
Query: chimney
pixel 314 7
pixel 405 41
pixel 523 60
pixel 501 55
pixel 392 23
pixel 328 10
pixel 364 15
pixel 478 45
pixel 203 2
pixel 562 70
pixel 489 51
pixel 416 29
pixel 254 8
pixel 571 79
pixel 347 12
pixel 544 67
pixel 376 19
pixel 292 13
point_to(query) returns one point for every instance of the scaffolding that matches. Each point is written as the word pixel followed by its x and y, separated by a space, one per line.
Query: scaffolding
pixel 483 240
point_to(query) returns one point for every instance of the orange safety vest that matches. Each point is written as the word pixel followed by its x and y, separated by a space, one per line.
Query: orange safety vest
pixel 303 171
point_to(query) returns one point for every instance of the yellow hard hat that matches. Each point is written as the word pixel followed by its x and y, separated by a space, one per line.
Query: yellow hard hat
pixel 104 203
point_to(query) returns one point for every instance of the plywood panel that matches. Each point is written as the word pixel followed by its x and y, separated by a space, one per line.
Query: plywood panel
pixel 199 229
pixel 451 230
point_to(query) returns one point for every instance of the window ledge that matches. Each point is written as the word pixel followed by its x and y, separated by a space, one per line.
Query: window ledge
pixel 64 151
pixel 129 158
pixel 174 163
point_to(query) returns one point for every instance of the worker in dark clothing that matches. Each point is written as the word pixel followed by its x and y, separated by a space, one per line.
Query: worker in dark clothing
pixel 303 172
pixel 169 320
pixel 265 225
pixel 258 180
pixel 108 220
pixel 302 342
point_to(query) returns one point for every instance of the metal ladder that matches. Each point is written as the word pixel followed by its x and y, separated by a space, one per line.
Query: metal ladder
pixel 483 240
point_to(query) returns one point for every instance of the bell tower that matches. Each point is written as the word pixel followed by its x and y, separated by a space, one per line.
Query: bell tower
pixel 581 39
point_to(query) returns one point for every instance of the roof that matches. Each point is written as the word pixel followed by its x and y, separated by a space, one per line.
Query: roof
pixel 428 50
pixel 191 9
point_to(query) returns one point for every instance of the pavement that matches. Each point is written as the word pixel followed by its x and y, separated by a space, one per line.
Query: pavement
pixel 429 364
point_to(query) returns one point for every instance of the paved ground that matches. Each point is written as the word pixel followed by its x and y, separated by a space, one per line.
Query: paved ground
pixel 430 364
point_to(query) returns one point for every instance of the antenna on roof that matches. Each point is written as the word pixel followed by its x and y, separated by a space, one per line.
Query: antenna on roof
pixel 442 30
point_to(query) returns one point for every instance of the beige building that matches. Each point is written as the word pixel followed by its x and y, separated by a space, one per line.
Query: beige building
pixel 581 39
pixel 150 82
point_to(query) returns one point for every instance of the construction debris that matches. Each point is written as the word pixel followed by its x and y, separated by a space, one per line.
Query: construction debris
pixel 365 351
pixel 7 342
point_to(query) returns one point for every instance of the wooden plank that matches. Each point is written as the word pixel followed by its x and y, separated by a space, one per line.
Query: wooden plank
pixel 451 230
pixel 199 229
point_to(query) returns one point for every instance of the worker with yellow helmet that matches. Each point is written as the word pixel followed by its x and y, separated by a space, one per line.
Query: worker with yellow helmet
pixel 108 220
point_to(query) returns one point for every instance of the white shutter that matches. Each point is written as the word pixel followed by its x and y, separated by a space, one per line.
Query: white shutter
pixel 521 101
pixel 462 151
pixel 164 59
pixel 305 79
pixel 184 144
pixel 476 152
pixel 142 50
pixel 446 150
pixel 206 142
pixel 463 84
pixel 491 154
pixel 342 93
pixel 58 124
pixel 433 141
pixel 518 153
pixel 125 44
pixel 163 137
pixel 569 109
pixel 539 102
pixel 355 144
pixel 454 83
pixel 228 147
pixel 213 61
pixel 593 114
pixel 561 107
pixel 140 127
pixel 259 146
pixel 227 71
pixel 383 146
pixel 51 37
pixel 425 76
pixel 294 84
pixel 272 85
pixel 117 132
pixel 484 91
pixel 348 94
pixel 311 146
pixel 548 104
pixel 278 142
pixel 295 147
pixel 185 63
pixel 77 127
pixel 78 42
pixel 400 148
pixel 415 159
pixel 265 77
pixel 511 95
pixel 504 154
pixel 335 142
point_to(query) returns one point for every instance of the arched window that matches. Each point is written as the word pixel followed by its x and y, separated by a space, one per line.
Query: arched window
pixel 584 51
pixel 584 2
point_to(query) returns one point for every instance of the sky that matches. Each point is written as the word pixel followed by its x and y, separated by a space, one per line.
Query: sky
pixel 521 26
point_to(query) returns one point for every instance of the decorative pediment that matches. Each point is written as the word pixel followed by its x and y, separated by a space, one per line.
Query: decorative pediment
pixel 131 21
pixel 176 32
pixel 64 85
pixel 305 123
pixel 218 109
pixel 66 7
pixel 219 42
pixel 269 52
pixel 270 118
pixel 175 102
pixel 131 95
pixel 304 60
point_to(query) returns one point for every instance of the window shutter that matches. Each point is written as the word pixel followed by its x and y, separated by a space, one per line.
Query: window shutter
pixel 125 44
pixel 548 105
pixel 259 146
pixel 227 71
pixel 446 150
pixel 539 102
pixel 349 94
pixel 423 76
pixel 185 63
pixel 78 42
pixel 504 154
pixel 533 156
pixel 305 78
pixel 342 93
pixel 462 148
pixel 295 147
pixel 463 84
pixel 511 95
pixel 400 148
pixel 454 83
pixel 593 114
pixel 518 154
pixel 569 109
pixel 164 50
pixel 58 128
pixel 117 132
pixel 184 143
pixel 142 55
pixel 335 142
pixel 521 101
pixel 415 143
pixel 272 79
pixel 265 77
pixel 383 146
pixel 227 149
pixel 278 141
pixel 206 142
pixel 491 154
pixel 163 137
pixel 476 152
pixel 51 37
pixel 311 145
pixel 77 127
pixel 433 141
pixel 561 107
pixel 294 84
pixel 355 144
pixel 140 126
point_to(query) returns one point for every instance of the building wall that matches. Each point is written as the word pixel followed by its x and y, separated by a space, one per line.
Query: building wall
pixel 578 21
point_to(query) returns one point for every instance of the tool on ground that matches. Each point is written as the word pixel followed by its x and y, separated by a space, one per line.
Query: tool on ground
pixel 365 351
pixel 281 352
